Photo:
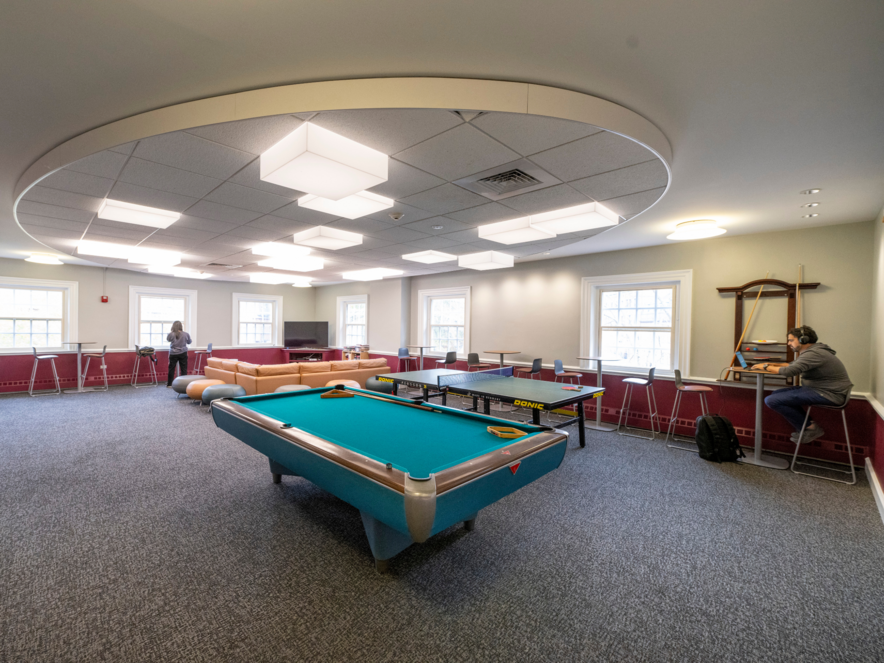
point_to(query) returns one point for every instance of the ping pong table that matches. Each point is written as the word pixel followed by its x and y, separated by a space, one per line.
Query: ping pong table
pixel 498 385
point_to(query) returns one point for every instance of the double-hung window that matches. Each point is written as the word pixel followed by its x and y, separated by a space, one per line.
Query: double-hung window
pixel 153 310
pixel 445 319
pixel 256 319
pixel 353 320
pixel 35 313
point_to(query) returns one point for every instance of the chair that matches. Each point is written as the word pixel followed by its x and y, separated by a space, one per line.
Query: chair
pixel 680 389
pixel 648 384
pixel 525 372
pixel 450 359
pixel 565 375
pixel 407 358
pixel 199 358
pixel 37 360
pixel 151 365
pixel 96 355
pixel 795 462
pixel 473 362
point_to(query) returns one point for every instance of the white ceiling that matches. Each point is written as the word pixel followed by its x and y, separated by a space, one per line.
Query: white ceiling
pixel 759 100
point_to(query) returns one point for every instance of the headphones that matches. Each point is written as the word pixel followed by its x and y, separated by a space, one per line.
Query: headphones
pixel 803 339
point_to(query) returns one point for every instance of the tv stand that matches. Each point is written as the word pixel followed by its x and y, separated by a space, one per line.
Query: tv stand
pixel 309 354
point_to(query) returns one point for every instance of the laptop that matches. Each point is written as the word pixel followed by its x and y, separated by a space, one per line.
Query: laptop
pixel 741 360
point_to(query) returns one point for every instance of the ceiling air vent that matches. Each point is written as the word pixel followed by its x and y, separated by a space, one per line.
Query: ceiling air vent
pixel 509 179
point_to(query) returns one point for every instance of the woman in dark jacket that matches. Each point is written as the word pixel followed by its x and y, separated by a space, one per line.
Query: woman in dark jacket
pixel 178 342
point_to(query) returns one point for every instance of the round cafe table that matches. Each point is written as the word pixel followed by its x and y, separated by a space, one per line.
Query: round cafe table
pixel 80 388
pixel 502 353
pixel 597 424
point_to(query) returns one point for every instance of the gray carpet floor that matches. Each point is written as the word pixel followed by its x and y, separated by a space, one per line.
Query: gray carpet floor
pixel 132 529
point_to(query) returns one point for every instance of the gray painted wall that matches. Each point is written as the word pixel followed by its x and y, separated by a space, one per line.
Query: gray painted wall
pixel 877 331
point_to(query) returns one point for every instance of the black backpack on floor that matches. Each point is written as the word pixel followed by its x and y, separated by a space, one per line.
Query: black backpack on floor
pixel 717 440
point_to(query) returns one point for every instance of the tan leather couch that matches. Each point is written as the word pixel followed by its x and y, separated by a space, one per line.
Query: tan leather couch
pixel 266 378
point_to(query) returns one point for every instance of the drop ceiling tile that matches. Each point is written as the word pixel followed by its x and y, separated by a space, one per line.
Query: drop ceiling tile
pixel 399 234
pixel 50 223
pixel 387 130
pixel 233 244
pixel 480 245
pixel 625 181
pixel 533 248
pixel 599 153
pixel 252 136
pixel 102 164
pixel 528 134
pixel 278 225
pixel 464 236
pixel 259 234
pixel 409 214
pixel 167 243
pixel 436 243
pixel 488 213
pixel 54 211
pixel 166 178
pixel 182 232
pixel 125 148
pixel 444 199
pixel 101 233
pixel 546 200
pixel 304 215
pixel 209 210
pixel 457 153
pixel 209 225
pixel 635 203
pixel 448 225
pixel 139 195
pixel 50 235
pixel 362 225
pixel 81 183
pixel 405 180
pixel 42 194
pixel 188 152
pixel 368 242
pixel 375 254
pixel 244 197
pixel 250 176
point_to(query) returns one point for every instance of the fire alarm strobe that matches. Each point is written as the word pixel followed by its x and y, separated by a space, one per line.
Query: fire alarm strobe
pixel 104 299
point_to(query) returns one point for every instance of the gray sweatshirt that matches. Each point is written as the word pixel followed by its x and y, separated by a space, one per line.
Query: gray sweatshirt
pixel 178 346
pixel 821 371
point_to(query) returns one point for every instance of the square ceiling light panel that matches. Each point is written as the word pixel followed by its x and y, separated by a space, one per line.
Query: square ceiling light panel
pixel 429 257
pixel 514 231
pixel 323 237
pixel 134 254
pixel 351 207
pixel 116 210
pixel 302 282
pixel 486 260
pixel 298 264
pixel 277 250
pixel 180 272
pixel 145 256
pixel 323 163
pixel 575 219
pixel 371 274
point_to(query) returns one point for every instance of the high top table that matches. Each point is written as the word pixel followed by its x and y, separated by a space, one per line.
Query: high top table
pixel 598 425
pixel 758 458
pixel 502 353
pixel 421 348
pixel 80 388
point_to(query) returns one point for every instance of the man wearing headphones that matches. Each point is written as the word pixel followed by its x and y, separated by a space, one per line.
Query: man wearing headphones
pixel 824 381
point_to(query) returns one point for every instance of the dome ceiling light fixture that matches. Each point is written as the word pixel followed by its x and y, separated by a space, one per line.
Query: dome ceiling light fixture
pixel 808 192
pixel 141 215
pixel 351 207
pixel 43 259
pixel 697 229
pixel 323 163
pixel 323 237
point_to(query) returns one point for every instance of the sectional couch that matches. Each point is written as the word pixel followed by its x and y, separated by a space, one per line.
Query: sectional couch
pixel 266 378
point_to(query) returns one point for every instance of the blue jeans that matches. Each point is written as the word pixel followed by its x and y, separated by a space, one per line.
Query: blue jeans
pixel 789 401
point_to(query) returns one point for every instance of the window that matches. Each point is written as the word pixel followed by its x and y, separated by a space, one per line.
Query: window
pixel 153 310
pixel 445 319
pixel 352 320
pixel 36 313
pixel 256 319
pixel 637 318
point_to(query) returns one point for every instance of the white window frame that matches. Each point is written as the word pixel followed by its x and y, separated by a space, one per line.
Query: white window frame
pixel 590 314
pixel 341 318
pixel 276 334
pixel 424 297
pixel 135 294
pixel 69 325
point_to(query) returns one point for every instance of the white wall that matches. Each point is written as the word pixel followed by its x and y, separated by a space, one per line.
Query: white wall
pixel 388 302
pixel 877 334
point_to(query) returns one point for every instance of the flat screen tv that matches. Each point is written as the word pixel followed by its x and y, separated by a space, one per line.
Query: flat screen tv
pixel 306 334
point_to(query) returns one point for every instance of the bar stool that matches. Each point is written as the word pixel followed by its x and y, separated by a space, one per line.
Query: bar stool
pixel 525 372
pixel 795 462
pixel 407 358
pixel 648 384
pixel 37 359
pixel 96 355
pixel 565 375
pixel 199 358
pixel 450 359
pixel 681 388
pixel 473 362
pixel 152 369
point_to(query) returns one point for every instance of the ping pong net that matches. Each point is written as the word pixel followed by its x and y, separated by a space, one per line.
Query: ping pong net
pixel 476 376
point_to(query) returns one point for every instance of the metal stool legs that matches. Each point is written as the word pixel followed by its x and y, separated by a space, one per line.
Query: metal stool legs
pixel 625 409
pixel 45 392
pixel 795 462
pixel 153 371
pixel 103 370
pixel 704 410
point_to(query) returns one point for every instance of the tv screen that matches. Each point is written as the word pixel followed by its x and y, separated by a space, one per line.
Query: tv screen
pixel 306 334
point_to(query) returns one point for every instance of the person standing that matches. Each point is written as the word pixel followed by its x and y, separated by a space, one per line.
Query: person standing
pixel 824 381
pixel 178 342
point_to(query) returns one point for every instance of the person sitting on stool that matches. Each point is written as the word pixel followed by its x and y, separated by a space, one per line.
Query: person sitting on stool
pixel 824 381
pixel 178 342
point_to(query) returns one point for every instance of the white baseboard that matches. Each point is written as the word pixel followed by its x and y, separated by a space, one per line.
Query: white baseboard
pixel 876 488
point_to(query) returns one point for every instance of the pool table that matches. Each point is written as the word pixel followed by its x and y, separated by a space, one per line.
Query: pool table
pixel 412 470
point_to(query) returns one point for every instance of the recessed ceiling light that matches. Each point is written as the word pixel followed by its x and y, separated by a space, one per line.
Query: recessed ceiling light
pixel 698 229
pixel 486 260
pixel 437 227
pixel 808 192
pixel 546 253
pixel 116 210
pixel 574 219
pixel 323 163
pixel 299 264
pixel 323 237
pixel 371 274
pixel 351 207
pixel 811 205
pixel 44 259
pixel 514 231
pixel 280 250
pixel 429 257
pixel 809 216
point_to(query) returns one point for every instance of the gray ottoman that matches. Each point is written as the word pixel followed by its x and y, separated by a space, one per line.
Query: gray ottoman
pixel 373 384
pixel 291 387
pixel 179 384
pixel 217 391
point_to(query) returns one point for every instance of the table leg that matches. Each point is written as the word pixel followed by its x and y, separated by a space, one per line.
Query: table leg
pixel 757 458
pixel 581 423
pixel 501 360
pixel 422 359
pixel 597 424
pixel 80 388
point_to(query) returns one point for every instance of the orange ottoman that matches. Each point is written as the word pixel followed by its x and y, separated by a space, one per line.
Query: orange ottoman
pixel 346 383
pixel 195 388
